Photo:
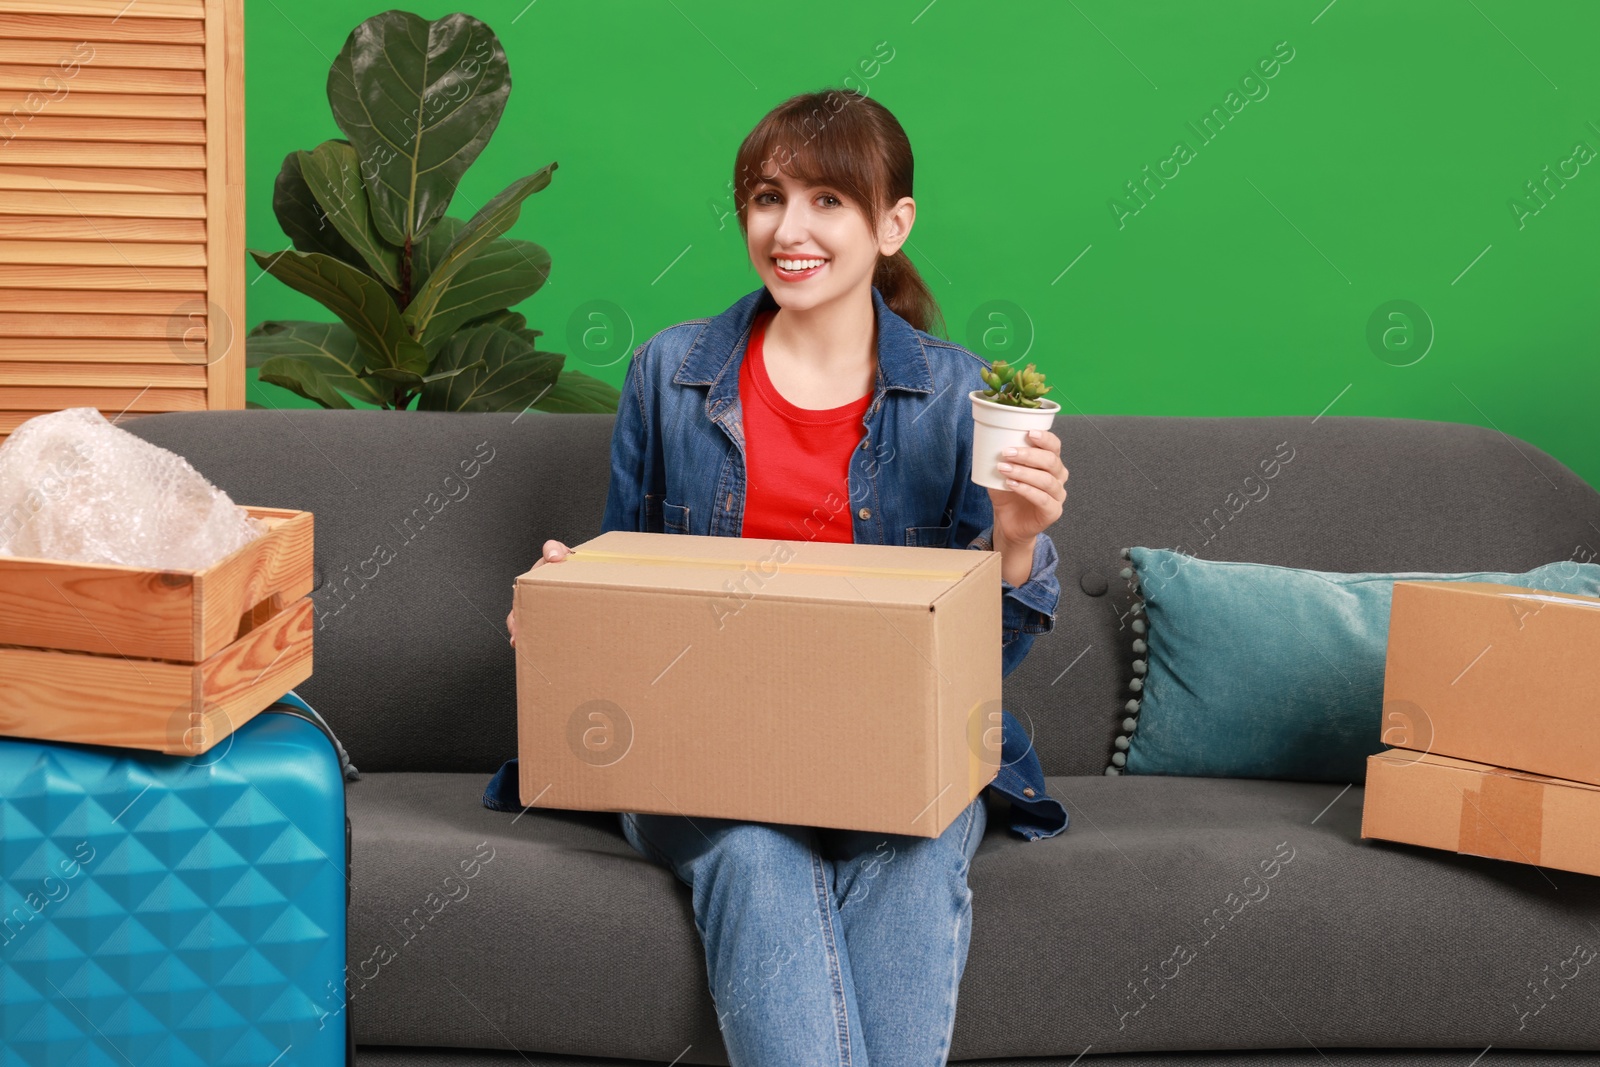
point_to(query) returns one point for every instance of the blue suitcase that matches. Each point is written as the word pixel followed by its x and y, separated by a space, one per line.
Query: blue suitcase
pixel 173 910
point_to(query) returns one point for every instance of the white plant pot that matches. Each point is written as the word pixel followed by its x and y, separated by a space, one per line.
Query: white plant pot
pixel 996 427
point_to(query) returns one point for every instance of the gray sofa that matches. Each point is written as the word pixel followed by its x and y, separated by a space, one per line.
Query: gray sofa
pixel 569 945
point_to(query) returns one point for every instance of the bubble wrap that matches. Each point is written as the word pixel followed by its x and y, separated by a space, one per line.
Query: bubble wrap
pixel 75 487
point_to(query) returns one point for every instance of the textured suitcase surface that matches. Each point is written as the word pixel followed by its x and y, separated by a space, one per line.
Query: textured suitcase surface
pixel 174 910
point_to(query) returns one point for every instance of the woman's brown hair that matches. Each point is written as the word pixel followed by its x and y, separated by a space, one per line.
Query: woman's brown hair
pixel 841 138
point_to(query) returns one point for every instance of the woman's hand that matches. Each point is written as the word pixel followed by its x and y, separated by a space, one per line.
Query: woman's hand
pixel 554 552
pixel 1032 503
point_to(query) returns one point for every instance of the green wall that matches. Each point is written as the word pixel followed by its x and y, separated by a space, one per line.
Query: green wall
pixel 1390 159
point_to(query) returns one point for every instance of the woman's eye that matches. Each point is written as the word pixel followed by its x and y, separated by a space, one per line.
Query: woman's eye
pixel 761 198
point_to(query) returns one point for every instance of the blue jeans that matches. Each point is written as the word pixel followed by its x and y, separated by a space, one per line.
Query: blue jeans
pixel 825 947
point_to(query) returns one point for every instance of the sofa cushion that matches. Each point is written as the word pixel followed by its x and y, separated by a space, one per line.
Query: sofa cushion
pixel 1177 913
pixel 563 940
pixel 1246 670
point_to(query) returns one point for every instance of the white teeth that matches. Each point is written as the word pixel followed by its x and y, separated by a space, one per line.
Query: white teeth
pixel 800 264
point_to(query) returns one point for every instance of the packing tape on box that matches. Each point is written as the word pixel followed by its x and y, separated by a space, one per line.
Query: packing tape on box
pixel 600 555
pixel 1503 819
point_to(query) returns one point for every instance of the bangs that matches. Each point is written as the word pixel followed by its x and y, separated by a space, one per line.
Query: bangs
pixel 827 148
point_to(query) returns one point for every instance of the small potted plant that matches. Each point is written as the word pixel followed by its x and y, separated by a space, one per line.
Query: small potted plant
pixel 1003 414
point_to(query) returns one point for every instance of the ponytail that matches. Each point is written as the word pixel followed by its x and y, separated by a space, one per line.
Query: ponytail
pixel 906 293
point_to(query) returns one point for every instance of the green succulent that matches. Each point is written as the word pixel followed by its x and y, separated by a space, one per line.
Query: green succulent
pixel 1020 388
pixel 423 299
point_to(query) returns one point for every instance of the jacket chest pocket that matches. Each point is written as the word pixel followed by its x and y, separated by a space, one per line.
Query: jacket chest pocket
pixel 928 536
pixel 674 517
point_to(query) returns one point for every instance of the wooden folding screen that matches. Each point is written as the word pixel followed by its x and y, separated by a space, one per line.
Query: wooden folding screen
pixel 121 206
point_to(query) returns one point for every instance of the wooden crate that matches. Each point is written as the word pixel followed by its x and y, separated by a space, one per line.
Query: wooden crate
pixel 169 660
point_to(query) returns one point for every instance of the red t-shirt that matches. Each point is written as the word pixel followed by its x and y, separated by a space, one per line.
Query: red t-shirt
pixel 798 459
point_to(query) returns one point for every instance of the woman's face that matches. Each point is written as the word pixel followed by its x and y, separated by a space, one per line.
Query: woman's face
pixel 824 236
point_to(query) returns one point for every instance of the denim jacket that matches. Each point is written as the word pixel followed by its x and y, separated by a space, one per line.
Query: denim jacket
pixel 678 466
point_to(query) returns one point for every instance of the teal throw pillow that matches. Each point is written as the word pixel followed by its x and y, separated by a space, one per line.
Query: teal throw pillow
pixel 1245 670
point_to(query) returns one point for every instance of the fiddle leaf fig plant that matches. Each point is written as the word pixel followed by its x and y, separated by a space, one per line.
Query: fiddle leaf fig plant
pixel 423 299
pixel 1019 387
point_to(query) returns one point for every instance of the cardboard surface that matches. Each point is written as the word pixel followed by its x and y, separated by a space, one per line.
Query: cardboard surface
pixel 1496 674
pixel 814 683
pixel 1423 798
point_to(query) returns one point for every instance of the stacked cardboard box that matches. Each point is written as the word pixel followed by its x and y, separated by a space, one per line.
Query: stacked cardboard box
pixel 1491 703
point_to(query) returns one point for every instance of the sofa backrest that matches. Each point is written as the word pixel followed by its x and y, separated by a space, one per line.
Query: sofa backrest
pixel 424 520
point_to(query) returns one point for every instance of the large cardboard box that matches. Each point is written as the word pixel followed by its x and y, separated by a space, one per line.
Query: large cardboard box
pixel 815 683
pixel 1497 674
pixel 1423 798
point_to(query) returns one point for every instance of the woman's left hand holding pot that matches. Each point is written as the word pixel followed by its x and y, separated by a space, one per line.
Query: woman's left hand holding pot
pixel 1037 490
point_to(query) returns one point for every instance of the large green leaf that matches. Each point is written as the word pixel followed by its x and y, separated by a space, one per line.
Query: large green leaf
pixel 333 174
pixel 576 393
pixel 488 223
pixel 505 318
pixel 357 298
pixel 514 375
pixel 405 377
pixel 302 218
pixel 317 360
pixel 419 100
pixel 506 272
pixel 304 378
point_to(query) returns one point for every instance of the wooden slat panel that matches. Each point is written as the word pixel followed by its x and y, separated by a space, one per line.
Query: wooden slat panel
pixel 187 323
pixel 77 350
pixel 134 398
pixel 134 9
pixel 95 79
pixel 103 253
pixel 64 55
pixel 150 279
pixel 92 228
pixel 121 165
pixel 225 185
pixel 137 375
pixel 101 179
pixel 10 420
pixel 104 154
pixel 119 205
pixel 100 28
pixel 161 305
pixel 48 127
pixel 36 103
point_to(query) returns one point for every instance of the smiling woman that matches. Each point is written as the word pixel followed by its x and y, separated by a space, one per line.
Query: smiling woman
pixel 820 407
pixel 853 153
